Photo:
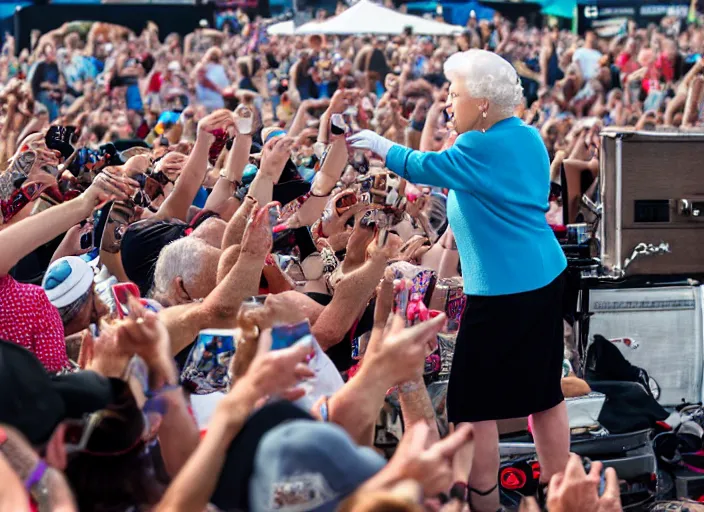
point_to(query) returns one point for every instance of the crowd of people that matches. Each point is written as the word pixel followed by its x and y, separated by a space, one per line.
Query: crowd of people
pixel 281 273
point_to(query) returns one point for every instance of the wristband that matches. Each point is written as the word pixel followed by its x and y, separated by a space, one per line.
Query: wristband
pixel 236 183
pixel 417 125
pixel 459 491
pixel 3 437
pixel 36 476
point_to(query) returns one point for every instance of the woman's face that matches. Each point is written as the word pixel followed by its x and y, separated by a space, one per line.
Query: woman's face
pixel 464 110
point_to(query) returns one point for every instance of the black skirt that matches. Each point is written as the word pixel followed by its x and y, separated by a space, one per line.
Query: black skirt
pixel 508 356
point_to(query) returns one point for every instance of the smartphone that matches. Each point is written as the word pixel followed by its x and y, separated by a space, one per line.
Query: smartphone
pixel 402 293
pixel 345 202
pixel 274 214
pixel 208 364
pixel 87 240
pixel 121 292
pixel 337 124
pixel 285 336
pixel 152 188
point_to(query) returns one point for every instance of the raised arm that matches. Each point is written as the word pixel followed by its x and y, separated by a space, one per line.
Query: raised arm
pixel 453 168
pixel 271 373
pixel 179 201
pixel 20 239
pixel 274 156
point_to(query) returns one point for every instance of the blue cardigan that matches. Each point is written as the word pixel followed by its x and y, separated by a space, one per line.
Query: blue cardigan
pixel 499 183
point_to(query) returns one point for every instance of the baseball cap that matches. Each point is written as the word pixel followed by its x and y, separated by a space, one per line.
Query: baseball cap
pixel 141 245
pixel 174 66
pixel 270 132
pixel 35 403
pixel 310 463
pixel 67 280
pixel 232 490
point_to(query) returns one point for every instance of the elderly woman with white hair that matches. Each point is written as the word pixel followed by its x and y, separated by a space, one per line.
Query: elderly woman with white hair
pixel 509 351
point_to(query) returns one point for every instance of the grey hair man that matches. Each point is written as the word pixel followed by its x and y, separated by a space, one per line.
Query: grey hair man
pixel 186 270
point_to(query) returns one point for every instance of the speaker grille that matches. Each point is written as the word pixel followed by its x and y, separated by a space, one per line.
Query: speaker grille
pixel 666 324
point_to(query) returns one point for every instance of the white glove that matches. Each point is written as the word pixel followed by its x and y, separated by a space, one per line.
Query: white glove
pixel 367 139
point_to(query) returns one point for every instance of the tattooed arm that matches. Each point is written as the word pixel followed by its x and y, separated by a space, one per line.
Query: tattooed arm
pixel 416 406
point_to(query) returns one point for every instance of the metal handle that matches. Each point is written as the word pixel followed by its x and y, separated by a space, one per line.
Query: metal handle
pixel 596 209
pixel 690 208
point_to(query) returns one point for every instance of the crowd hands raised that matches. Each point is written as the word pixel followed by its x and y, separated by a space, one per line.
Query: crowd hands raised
pixel 200 157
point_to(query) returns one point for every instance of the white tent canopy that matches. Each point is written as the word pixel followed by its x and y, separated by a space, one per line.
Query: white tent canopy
pixel 286 28
pixel 283 28
pixel 366 17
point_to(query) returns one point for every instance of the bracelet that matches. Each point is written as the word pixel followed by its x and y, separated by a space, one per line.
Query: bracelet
pixel 236 183
pixel 325 410
pixel 459 491
pixel 313 194
pixel 36 476
pixel 164 389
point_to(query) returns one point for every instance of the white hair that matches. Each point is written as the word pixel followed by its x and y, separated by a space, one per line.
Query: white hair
pixel 486 75
pixel 182 258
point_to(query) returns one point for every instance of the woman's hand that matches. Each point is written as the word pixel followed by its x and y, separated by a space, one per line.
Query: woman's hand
pixel 257 240
pixel 138 164
pixel 107 187
pixel 402 350
pixel 71 243
pixel 270 372
pixel 104 355
pixel 431 466
pixel 219 120
pixel 576 491
pixel 142 333
pixel 371 141
pixel 275 154
pixel 336 223
pixel 414 249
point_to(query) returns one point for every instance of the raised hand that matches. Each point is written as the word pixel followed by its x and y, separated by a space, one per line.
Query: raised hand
pixel 238 222
pixel 107 187
pixel 138 164
pixel 257 240
pixel 403 350
pixel 431 466
pixel 219 120
pixel 71 243
pixel 371 141
pixel 274 156
pixel 171 164
pixel 576 491
pixel 278 372
pixel 142 333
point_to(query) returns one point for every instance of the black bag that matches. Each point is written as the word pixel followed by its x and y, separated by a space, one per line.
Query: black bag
pixel 629 405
